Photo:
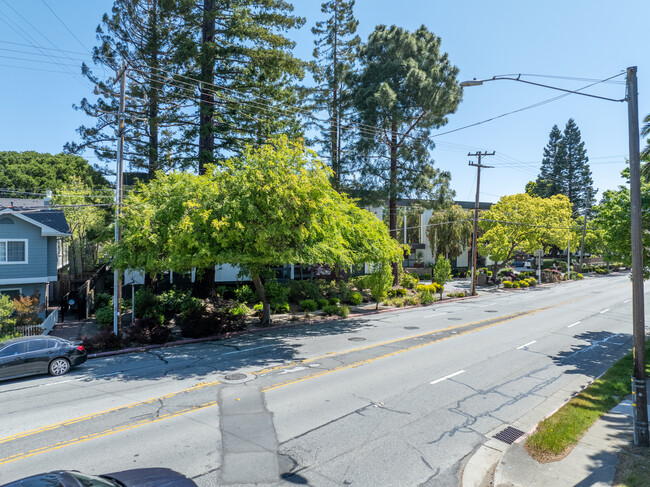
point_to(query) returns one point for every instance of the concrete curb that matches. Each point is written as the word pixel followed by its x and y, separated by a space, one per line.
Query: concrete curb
pixel 255 330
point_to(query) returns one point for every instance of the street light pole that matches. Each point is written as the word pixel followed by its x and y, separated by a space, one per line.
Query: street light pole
pixel 639 385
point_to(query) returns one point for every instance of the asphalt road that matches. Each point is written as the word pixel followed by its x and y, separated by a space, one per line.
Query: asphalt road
pixel 395 399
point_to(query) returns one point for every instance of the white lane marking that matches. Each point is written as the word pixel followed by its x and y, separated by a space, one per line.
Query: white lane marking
pixel 247 349
pixel 484 305
pixel 574 324
pixel 604 311
pixel 289 371
pixel 627 301
pixel 525 345
pixel 436 314
pixel 447 377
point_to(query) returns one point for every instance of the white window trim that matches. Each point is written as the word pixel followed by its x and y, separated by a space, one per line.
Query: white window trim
pixel 25 241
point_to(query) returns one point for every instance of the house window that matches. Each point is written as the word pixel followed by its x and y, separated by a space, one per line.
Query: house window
pixel 13 251
pixel 12 293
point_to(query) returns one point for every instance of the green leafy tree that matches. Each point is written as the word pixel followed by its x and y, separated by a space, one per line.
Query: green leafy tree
pixel 335 54
pixel 88 223
pixel 442 272
pixel 645 153
pixel 138 32
pixel 379 282
pixel 406 87
pixel 449 231
pixel 7 320
pixel 35 172
pixel 272 205
pixel 613 220
pixel 523 223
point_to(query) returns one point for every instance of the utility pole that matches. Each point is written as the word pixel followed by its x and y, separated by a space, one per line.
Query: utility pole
pixel 117 280
pixel 478 167
pixel 639 386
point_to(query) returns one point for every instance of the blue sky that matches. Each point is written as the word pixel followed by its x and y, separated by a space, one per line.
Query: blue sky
pixel 588 40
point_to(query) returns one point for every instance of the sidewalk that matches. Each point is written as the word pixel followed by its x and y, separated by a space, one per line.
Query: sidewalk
pixel 73 328
pixel 592 462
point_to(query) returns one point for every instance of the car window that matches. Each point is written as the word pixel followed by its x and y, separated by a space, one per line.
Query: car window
pixel 43 480
pixel 36 345
pixel 13 349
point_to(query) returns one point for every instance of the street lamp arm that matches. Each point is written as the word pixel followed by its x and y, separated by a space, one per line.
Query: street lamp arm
pixel 476 82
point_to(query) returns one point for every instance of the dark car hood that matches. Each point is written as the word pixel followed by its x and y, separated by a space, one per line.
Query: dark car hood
pixel 151 477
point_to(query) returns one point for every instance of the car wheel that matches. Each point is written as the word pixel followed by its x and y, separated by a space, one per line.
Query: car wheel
pixel 59 366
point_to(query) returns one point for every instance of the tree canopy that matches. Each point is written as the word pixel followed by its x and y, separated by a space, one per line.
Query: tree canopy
pixel 524 223
pixel 271 206
pixel 449 231
pixel 613 220
pixel 36 172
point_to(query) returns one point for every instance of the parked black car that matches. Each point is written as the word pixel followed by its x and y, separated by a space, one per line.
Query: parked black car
pixel 24 356
pixel 139 477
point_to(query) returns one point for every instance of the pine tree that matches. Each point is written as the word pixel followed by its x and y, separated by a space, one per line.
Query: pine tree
pixel 579 185
pixel 335 53
pixel 406 88
pixel 550 180
pixel 247 73
pixel 565 169
pixel 139 33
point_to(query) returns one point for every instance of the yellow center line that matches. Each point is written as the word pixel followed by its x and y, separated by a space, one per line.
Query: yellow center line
pixel 491 322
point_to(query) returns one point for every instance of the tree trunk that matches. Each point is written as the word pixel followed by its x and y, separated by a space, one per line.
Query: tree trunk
pixel 204 283
pixel 265 319
pixel 206 105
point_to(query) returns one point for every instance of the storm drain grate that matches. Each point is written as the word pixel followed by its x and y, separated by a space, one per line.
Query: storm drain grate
pixel 490 310
pixel 356 339
pixel 509 435
pixel 411 327
pixel 455 319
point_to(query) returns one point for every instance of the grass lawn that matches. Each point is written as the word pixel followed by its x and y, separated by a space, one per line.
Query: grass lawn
pixel 557 434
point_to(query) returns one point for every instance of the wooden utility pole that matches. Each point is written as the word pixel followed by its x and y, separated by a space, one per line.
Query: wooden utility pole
pixel 117 281
pixel 478 167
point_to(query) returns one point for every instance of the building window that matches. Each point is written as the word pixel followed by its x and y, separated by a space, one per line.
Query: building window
pixel 13 251
pixel 12 293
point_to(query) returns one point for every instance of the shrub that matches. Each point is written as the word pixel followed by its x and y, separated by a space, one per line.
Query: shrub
pixel 426 297
pixel 395 302
pixel 276 292
pixel 240 309
pixel 515 285
pixel 150 330
pixel 170 302
pixel 532 281
pixel 433 288
pixel 601 270
pixel 409 281
pixel 215 317
pixel 411 301
pixel 504 271
pixel 457 294
pixel 507 284
pixel 280 308
pixel 245 294
pixel 355 299
pixel 331 309
pixel 578 276
pixel 146 304
pixel 103 341
pixel 258 307
pixel 301 290
pixel 308 305
pixel 334 301
pixel 425 277
pixel 322 303
pixel 344 311
pixel 523 283
pixel 104 317
pixel 102 300
pixel 397 293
